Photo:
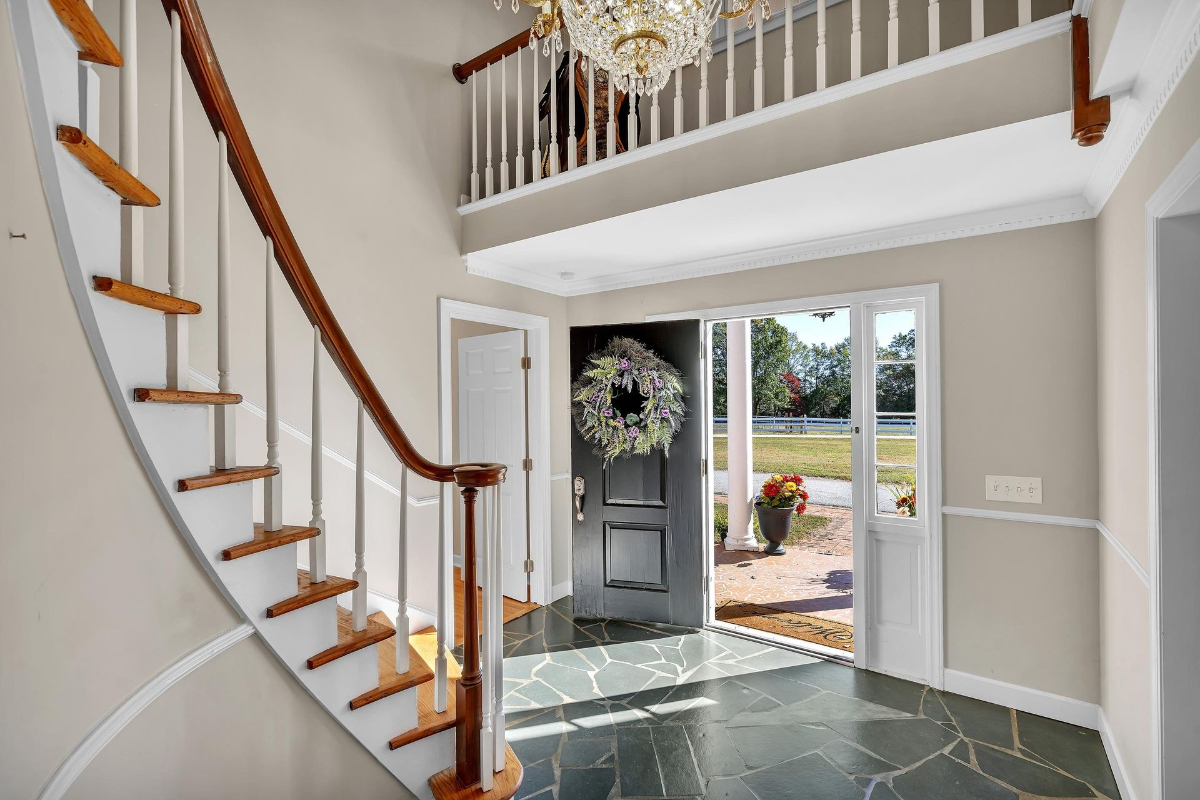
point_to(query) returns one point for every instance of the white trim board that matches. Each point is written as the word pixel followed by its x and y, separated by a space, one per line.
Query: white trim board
pixel 1022 698
pixel 1124 553
pixel 107 729
pixel 258 411
pixel 560 590
pixel 1115 761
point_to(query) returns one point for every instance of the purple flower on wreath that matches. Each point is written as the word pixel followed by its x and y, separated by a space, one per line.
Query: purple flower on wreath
pixel 664 413
pixel 624 363
pixel 634 433
pixel 658 384
pixel 620 421
pixel 607 412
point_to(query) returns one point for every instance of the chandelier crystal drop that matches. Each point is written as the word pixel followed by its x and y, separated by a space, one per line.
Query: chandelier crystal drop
pixel 638 42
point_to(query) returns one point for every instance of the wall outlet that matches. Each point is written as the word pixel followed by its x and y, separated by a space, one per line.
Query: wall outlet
pixel 1010 489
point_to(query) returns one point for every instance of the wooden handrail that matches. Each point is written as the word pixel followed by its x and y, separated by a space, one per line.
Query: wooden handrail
pixel 1089 115
pixel 505 48
pixel 215 96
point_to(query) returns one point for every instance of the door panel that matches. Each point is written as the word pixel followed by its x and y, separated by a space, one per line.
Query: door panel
pixel 639 550
pixel 491 427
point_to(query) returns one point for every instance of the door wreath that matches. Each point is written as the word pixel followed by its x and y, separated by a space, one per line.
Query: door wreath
pixel 627 401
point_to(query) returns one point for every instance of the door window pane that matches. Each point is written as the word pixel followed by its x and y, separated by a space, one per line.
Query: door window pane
pixel 895 406
pixel 896 335
pixel 895 388
pixel 896 490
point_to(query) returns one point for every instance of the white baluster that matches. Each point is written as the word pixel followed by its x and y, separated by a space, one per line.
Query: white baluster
pixel 655 119
pixel 224 421
pixel 272 486
pixel 132 231
pixel 677 110
pixel 893 31
pixel 536 155
pixel 572 141
pixel 359 599
pixel 445 603
pixel 177 324
pixel 316 545
pixel 474 137
pixel 520 159
pixel 821 45
pixel 976 20
pixel 703 99
pixel 935 27
pixel 553 116
pixel 855 39
pixel 632 125
pixel 611 126
pixel 759 76
pixel 789 70
pixel 483 535
pixel 730 85
pixel 503 125
pixel 1024 12
pixel 89 95
pixel 498 633
pixel 591 134
pixel 487 133
pixel 402 580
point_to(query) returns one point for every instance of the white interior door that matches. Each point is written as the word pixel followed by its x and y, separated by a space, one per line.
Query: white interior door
pixel 491 427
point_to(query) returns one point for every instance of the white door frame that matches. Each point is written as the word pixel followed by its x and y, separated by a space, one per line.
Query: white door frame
pixel 1181 187
pixel 931 465
pixel 538 398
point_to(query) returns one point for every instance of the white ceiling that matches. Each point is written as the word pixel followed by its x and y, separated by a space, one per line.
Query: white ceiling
pixel 1016 175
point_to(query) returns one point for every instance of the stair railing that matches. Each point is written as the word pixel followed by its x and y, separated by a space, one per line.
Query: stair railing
pixel 480 750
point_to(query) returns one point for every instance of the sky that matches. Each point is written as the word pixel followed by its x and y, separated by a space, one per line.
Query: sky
pixel 833 330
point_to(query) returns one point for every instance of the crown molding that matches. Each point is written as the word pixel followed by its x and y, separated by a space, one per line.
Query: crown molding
pixel 1032 215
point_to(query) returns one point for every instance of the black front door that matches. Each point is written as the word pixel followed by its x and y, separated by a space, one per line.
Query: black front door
pixel 639 549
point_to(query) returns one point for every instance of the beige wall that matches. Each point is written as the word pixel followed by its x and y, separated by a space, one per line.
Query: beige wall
pixel 1123 432
pixel 1017 310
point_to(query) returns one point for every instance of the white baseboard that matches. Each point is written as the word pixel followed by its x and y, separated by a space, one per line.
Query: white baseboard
pixel 1114 756
pixel 1033 701
pixel 560 590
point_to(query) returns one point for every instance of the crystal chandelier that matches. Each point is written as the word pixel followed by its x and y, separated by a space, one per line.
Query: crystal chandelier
pixel 638 42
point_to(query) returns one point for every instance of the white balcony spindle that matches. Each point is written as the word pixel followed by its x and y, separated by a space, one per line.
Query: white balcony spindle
pixel 1024 12
pixel 677 110
pixel 132 230
pixel 553 116
pixel 224 421
pixel 316 545
pixel 855 39
pixel 611 125
pixel 632 144
pixel 536 154
pixel 359 599
pixel 702 101
pixel 498 633
pixel 272 486
pixel 591 126
pixel 789 70
pixel 177 324
pixel 730 85
pixel 402 624
pixel 519 161
pixel 474 137
pixel 445 592
pixel 759 75
pixel 572 140
pixel 655 120
pixel 893 33
pixel 483 535
pixel 821 79
pixel 976 20
pixel 503 124
pixel 487 133
pixel 935 27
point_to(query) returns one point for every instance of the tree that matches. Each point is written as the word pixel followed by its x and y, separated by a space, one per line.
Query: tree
pixel 771 346
pixel 720 348
pixel 896 384
pixel 823 372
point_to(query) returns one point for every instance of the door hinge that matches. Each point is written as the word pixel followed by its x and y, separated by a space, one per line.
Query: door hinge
pixel 528 565
pixel 527 464
pixel 526 362
pixel 704 468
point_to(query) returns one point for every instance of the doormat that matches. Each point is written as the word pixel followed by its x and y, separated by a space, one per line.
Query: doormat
pixel 807 628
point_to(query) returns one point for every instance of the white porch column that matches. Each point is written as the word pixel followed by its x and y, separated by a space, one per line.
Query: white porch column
pixel 741 453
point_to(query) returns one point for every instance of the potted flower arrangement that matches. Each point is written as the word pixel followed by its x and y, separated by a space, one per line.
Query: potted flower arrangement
pixel 781 496
pixel 905 497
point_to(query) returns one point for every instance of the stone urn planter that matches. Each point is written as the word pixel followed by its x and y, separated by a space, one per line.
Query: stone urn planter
pixel 774 524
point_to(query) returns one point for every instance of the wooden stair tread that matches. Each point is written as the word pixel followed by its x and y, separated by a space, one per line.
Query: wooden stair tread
pixel 390 681
pixel 223 477
pixel 350 640
pixel 308 593
pixel 132 191
pixel 429 721
pixel 93 41
pixel 185 397
pixel 264 540
pixel 505 784
pixel 146 298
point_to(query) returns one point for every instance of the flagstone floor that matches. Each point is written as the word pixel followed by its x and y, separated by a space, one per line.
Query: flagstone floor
pixel 601 709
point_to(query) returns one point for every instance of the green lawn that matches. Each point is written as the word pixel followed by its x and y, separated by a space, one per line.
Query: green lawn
pixel 818 457
pixel 802 524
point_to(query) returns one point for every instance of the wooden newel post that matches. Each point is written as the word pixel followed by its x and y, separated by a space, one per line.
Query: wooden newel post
pixel 469 694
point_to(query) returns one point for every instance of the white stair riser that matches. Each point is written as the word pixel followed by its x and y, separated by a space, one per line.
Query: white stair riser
pixel 415 763
pixel 383 719
pixel 263 579
pixel 335 683
pixel 301 634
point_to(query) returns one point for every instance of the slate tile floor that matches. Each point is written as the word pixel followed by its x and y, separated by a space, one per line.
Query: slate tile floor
pixel 602 709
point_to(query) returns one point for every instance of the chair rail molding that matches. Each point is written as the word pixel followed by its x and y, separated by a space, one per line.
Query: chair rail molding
pixel 107 729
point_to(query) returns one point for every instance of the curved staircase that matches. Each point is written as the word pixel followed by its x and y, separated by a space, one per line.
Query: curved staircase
pixel 437 727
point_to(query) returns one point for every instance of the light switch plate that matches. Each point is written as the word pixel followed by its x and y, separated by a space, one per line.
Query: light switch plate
pixel 1011 489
